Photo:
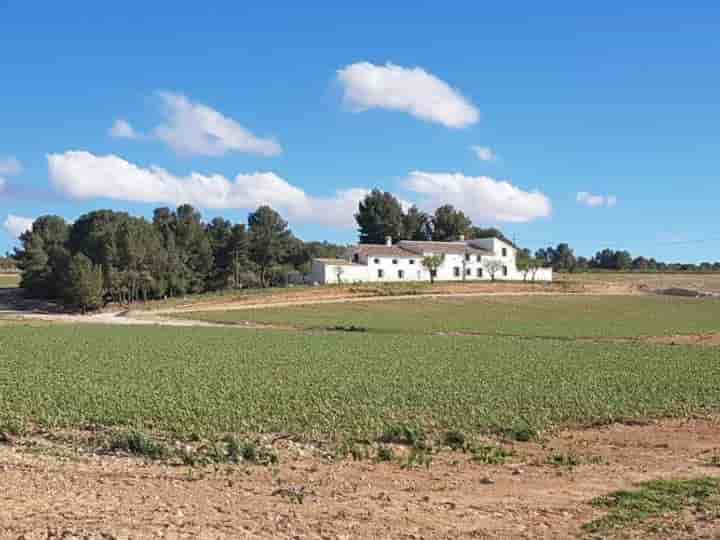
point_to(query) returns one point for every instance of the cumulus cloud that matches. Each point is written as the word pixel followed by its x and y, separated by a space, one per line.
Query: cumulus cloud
pixel 410 90
pixel 484 199
pixel 16 225
pixel 484 153
pixel 84 175
pixel 122 129
pixel 195 129
pixel 594 201
pixel 10 166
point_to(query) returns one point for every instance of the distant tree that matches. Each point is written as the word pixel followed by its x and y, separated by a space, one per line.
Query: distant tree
pixel 564 258
pixel 561 257
pixel 448 224
pixel 609 259
pixel 43 257
pixel 433 263
pixel 194 247
pixel 582 264
pixel 488 232
pixel 33 263
pixel 268 240
pixel 492 267
pixel 528 265
pixel 416 225
pixel 85 284
pixel 379 215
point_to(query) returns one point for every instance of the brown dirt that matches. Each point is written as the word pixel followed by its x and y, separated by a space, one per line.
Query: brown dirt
pixel 55 492
pixel 711 339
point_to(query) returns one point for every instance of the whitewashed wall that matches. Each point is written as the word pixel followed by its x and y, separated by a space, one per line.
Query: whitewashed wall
pixel 368 266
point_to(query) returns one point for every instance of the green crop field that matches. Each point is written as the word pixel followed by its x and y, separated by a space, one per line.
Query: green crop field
pixel 9 281
pixel 211 380
pixel 531 316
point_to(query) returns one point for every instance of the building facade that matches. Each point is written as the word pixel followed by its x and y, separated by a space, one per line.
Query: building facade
pixel 465 260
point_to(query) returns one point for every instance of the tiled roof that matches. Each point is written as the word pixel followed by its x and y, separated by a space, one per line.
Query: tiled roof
pixel 383 250
pixel 337 262
pixel 450 248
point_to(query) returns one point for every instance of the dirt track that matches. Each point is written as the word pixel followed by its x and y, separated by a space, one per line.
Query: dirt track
pixel 12 306
pixel 53 491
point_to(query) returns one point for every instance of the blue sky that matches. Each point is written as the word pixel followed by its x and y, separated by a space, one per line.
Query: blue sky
pixel 599 123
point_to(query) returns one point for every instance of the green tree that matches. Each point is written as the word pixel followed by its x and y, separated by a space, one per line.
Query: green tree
pixel 488 232
pixel 33 264
pixel 433 263
pixel 449 224
pixel 492 267
pixel 85 284
pixel 416 225
pixel 42 259
pixel 528 265
pixel 379 216
pixel 269 238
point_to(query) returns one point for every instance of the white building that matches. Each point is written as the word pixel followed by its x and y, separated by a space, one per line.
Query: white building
pixel 464 260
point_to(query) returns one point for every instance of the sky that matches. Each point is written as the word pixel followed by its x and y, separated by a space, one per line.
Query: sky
pixel 594 124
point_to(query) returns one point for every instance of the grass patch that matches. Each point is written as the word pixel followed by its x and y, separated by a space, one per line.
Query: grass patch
pixel 564 460
pixel 136 443
pixel 526 316
pixel 490 454
pixel 403 434
pixel 651 499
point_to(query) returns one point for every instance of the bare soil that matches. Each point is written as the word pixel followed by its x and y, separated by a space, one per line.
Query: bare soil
pixel 55 491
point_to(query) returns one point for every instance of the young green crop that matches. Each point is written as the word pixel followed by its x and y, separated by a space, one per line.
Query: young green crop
pixel 217 380
pixel 529 316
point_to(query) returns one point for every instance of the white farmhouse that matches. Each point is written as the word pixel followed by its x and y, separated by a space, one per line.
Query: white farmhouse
pixel 464 260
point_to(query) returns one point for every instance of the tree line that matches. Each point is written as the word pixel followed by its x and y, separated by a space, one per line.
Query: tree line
pixel 380 215
pixel 107 256
pixel 562 258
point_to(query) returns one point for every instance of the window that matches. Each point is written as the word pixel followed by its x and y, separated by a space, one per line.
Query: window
pixel 479 272
pixel 381 273
pixel 411 261
pixel 456 271
pixel 401 274
pixel 394 261
pixel 376 261
pixel 505 271
pixel 468 257
pixel 356 257
pixel 468 272
pixel 504 252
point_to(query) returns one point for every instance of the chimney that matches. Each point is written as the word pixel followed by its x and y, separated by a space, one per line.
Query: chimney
pixel 461 238
pixel 388 240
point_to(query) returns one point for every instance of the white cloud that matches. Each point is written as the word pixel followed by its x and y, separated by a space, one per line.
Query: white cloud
pixel 84 175
pixel 484 199
pixel 484 153
pixel 122 129
pixel 16 225
pixel 10 166
pixel 594 201
pixel 196 129
pixel 411 90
